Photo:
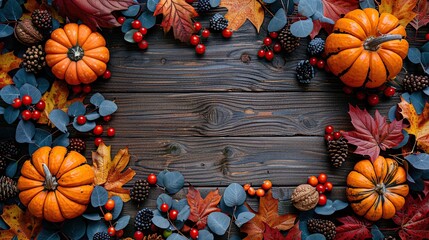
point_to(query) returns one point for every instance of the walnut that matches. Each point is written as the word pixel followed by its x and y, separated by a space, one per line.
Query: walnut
pixel 305 197
pixel 27 33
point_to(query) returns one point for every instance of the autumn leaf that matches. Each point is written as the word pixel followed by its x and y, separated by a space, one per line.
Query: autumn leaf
pixel 419 124
pixel 294 233
pixel 201 208
pixel 272 233
pixel 402 9
pixel 110 173
pixel 240 10
pixel 422 18
pixel 353 228
pixel 267 214
pixel 177 14
pixel 94 13
pixel 413 218
pixel 22 224
pixel 372 134
pixel 8 62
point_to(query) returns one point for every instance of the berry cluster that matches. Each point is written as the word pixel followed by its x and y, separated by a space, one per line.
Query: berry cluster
pixel 322 185
pixel 330 134
pixel 172 216
pixel 260 192
pixel 29 111
pixel 108 217
pixel 370 96
pixel 270 47
pixel 201 34
pixel 139 34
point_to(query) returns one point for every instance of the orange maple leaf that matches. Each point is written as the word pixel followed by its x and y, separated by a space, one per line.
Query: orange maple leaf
pixel 402 9
pixel 419 124
pixel 8 62
pixel 110 174
pixel 240 10
pixel 201 208
pixel 178 15
pixel 22 224
pixel 267 213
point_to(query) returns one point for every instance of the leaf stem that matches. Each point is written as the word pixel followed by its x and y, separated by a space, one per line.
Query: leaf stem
pixel 266 9
pixel 230 222
pixel 174 226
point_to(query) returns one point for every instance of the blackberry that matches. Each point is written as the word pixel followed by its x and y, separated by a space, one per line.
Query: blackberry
pixel 77 144
pixel 8 188
pixel 143 219
pixel 288 41
pixel 304 72
pixel 101 236
pixel 42 19
pixel 414 83
pixel 325 227
pixel 338 151
pixel 203 6
pixel 316 46
pixel 3 163
pixel 140 191
pixel 9 148
pixel 34 59
pixel 218 22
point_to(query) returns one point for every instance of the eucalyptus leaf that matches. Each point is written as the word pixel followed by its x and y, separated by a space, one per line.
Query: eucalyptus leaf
pixel 147 19
pixel 107 107
pixel 315 236
pixel 129 35
pixel 173 182
pixel 60 119
pixel 32 91
pixel 92 116
pixel 99 196
pixel 234 195
pixel 179 204
pixel 5 30
pixel 160 178
pixel 278 21
pixel 269 1
pixel 12 10
pixel 96 99
pixel 151 5
pixel 243 218
pixel 184 213
pixel 46 234
pixel 339 205
pixel 88 126
pixel 8 93
pixel 92 216
pixel 414 55
pixel 215 3
pixel 25 132
pixel 119 204
pixel 11 114
pixel 11 169
pixel 41 138
pixel 326 209
pixel 163 198
pixel 404 141
pixel 376 233
pixel 42 84
pixel 176 236
pixel 126 26
pixel 419 160
pixel 392 113
pixel 307 7
pixel 418 101
pixel 131 11
pixel 95 227
pixel 62 140
pixel 22 77
pixel 302 28
pixel 366 4
pixel 205 235
pixel 3 224
pixel 160 222
pixel 75 228
pixel 218 222
pixel 122 222
pixel 2 109
pixel 76 109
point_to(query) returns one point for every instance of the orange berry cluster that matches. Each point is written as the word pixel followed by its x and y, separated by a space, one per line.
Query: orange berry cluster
pixel 108 217
pixel 260 192
pixel 322 185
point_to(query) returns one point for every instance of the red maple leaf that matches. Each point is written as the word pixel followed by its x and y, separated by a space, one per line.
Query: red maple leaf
pixel 372 134
pixel 272 233
pixel 413 218
pixel 422 18
pixel 201 208
pixel 294 233
pixel 94 13
pixel 353 228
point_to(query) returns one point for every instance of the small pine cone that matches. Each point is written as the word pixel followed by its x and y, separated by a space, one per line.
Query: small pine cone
pixel 288 41
pixel 101 236
pixel 8 188
pixel 34 59
pixel 42 19
pixel 316 46
pixel 9 148
pixel 143 219
pixel 203 6
pixel 218 22
pixel 140 191
pixel 414 83
pixel 325 227
pixel 304 72
pixel 338 150
pixel 77 144
pixel 3 163
pixel 154 236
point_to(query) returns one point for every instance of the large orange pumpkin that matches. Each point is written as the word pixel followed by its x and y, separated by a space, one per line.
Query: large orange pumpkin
pixel 55 185
pixel 377 189
pixel 76 54
pixel 366 49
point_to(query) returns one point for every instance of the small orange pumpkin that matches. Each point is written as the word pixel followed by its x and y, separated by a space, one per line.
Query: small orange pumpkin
pixel 76 54
pixel 366 48
pixel 55 185
pixel 377 189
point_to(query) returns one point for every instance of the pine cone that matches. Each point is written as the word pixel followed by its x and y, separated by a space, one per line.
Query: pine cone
pixel 218 22
pixel 325 227
pixel 34 59
pixel 140 191
pixel 42 19
pixel 338 151
pixel 77 144
pixel 143 219
pixel 316 46
pixel 304 72
pixel 288 41
pixel 101 236
pixel 154 236
pixel 203 6
pixel 414 83
pixel 9 148
pixel 8 188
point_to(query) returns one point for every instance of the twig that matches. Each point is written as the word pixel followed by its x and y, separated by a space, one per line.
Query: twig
pixel 230 222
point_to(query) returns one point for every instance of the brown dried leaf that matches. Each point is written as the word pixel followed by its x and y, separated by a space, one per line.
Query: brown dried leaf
pixel 8 62
pixel 422 18
pixel 402 9
pixel 240 10
pixel 201 208
pixel 22 224
pixel 419 124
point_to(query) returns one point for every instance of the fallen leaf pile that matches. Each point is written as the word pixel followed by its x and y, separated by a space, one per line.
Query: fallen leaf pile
pixel 419 124
pixel 201 208
pixel 22 224
pixel 241 10
pixel 8 62
pixel 402 9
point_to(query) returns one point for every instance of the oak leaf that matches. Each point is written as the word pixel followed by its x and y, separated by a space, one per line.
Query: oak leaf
pixel 22 224
pixel 201 208
pixel 8 62
pixel 419 124
pixel 267 214
pixel 372 134
pixel 110 173
pixel 241 10
pixel 353 228
pixel 413 218
pixel 177 14
pixel 422 18
pixel 402 9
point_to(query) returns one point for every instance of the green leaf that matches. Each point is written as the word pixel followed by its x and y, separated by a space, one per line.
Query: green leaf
pixel 173 182
pixel 99 196
pixel 25 132
pixel 278 21
pixel 218 222
pixel 131 11
pixel 5 30
pixel 234 195
pixel 60 119
pixel 302 28
pixel 118 207
pixel 107 107
pixel 96 99
pixel 76 109
pixel 414 55
pixel 160 222
pixel 8 93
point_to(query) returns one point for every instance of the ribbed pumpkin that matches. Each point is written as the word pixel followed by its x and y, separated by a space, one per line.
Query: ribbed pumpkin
pixel 377 189
pixel 55 185
pixel 366 48
pixel 76 54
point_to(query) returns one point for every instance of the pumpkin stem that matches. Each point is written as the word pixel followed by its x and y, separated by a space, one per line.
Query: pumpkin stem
pixel 373 43
pixel 75 53
pixel 380 188
pixel 50 181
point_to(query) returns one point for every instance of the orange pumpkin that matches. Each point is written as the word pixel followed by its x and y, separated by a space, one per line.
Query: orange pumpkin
pixel 377 189
pixel 76 54
pixel 366 48
pixel 55 185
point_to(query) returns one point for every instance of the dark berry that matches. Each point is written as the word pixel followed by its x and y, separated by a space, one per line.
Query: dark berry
pixel 277 47
pixel 107 118
pixel 427 36
pixel 86 88
pixel 77 89
pixel 347 90
pixel 274 35
pixel 360 95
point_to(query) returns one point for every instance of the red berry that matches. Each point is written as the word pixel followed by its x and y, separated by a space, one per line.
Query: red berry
pixel 194 40
pixel 320 188
pixel 121 19
pixel 143 44
pixel 277 47
pixel 35 115
pixel 164 207
pixel 360 95
pixel 260 192
pixel 269 55
pixel 81 120
pixel 137 37
pixel 347 90
pixel 337 135
pixel 108 216
pixel 261 53
pixel 138 235
pixel 26 100
pixel 328 186
pixel 322 178
pixel 40 105
pixel 110 205
pixel 200 49
pixel 173 214
pixel 111 231
pixel 227 33
pixel 197 26
pixel 320 64
pixel 107 74
pixel 193 233
pixel 389 91
pixel 205 33
pixel 246 186
pixel 16 103
pixel 427 36
pixel 110 132
pixel 251 191
pixel 143 30
pixel 107 118
pixel 151 179
pixel 329 137
pixel 268 41
pixel 136 24
pixel 274 35
pixel 312 180
pixel 322 199
pixel 329 129
pixel 267 185
pixel 77 89
pixel 98 130
pixel 26 115
pixel 373 99
pixel 98 141
pixel 119 233
pixel 86 88
pixel 313 61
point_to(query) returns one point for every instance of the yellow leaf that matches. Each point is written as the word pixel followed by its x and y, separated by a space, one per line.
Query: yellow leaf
pixel 22 224
pixel 419 124
pixel 8 62
pixel 101 161
pixel 240 10
pixel 402 9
